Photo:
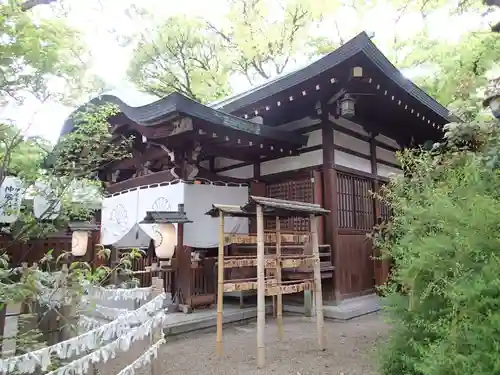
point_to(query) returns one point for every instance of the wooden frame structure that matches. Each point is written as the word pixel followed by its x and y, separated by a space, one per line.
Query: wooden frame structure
pixel 259 207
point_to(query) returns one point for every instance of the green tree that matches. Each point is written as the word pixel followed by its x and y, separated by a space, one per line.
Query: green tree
pixel 457 72
pixel 182 56
pixel 197 57
pixel 42 57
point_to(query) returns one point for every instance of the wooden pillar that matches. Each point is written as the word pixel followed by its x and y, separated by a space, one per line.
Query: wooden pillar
pixel 183 271
pixel 330 201
pixel 279 312
pixel 211 164
pixel 375 186
pixel 220 283
pixel 318 294
pixel 258 189
pixel 261 289
pixel 256 171
pixel 318 199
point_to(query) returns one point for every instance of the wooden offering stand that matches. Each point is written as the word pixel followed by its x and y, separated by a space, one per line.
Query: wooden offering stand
pixel 272 284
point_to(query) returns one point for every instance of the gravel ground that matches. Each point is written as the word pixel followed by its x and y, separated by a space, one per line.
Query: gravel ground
pixel 349 350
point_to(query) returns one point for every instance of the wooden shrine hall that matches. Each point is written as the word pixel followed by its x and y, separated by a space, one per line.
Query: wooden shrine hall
pixel 325 134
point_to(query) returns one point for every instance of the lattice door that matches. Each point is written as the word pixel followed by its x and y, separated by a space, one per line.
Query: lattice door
pixel 300 190
pixel 355 202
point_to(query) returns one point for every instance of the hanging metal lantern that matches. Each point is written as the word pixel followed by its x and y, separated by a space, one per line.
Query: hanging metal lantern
pixel 10 199
pixel 347 106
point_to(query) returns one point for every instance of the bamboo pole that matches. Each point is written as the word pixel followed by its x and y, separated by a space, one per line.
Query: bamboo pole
pixel 220 283
pixel 261 301
pixel 279 313
pixel 318 294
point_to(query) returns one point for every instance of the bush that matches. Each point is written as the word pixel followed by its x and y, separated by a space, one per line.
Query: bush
pixel 444 299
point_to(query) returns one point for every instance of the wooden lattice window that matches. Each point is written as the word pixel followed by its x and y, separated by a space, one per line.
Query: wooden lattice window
pixel 298 190
pixel 384 209
pixel 355 202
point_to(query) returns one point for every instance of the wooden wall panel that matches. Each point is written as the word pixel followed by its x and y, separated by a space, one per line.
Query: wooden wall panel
pixel 356 267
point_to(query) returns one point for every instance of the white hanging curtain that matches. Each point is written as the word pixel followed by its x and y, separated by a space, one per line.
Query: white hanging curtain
pixel 121 213
pixel 204 231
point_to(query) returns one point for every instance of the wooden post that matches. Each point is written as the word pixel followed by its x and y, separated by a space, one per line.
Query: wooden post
pixel 330 202
pixel 318 293
pixel 220 283
pixel 184 272
pixel 261 286
pixel 279 312
pixel 157 289
pixel 308 303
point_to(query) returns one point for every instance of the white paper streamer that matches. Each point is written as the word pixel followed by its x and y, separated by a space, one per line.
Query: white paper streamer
pixel 87 323
pixel 144 359
pixel 118 294
pixel 109 351
pixel 26 363
pixel 110 312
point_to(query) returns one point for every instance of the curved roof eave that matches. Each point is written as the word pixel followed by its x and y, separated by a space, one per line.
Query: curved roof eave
pixel 359 44
pixel 156 112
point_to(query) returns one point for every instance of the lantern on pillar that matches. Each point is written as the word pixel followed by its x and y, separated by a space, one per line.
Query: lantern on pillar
pixel 165 240
pixel 80 232
pixel 165 237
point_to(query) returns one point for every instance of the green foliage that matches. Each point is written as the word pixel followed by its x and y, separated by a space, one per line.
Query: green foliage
pixel 182 56
pixel 36 53
pixel 72 173
pixel 197 57
pixel 457 70
pixel 444 298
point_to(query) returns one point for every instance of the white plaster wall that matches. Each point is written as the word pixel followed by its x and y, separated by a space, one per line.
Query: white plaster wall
pixel 387 141
pixel 351 143
pixel 225 162
pixel 349 125
pixel 353 162
pixel 240 172
pixel 205 164
pixel 386 155
pixel 386 171
pixel 315 138
pixel 290 163
pixel 315 158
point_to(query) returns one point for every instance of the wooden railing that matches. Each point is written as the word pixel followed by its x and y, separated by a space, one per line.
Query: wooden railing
pixel 153 178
